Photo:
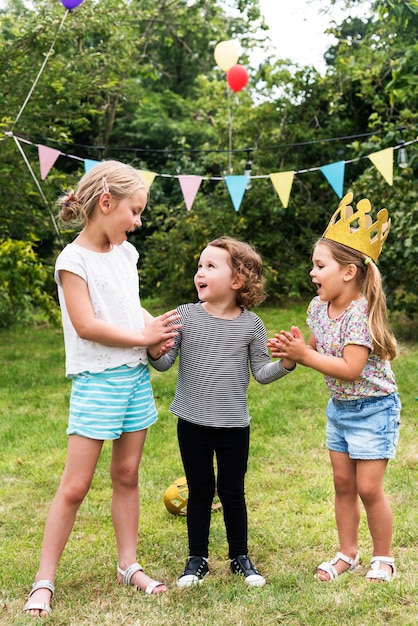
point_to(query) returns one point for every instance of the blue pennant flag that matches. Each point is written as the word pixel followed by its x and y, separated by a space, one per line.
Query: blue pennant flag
pixel 334 173
pixel 89 163
pixel 236 187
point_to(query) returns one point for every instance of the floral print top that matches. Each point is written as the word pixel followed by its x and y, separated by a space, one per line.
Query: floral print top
pixel 351 327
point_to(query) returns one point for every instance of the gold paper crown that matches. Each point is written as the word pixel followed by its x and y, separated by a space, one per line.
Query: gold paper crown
pixel 356 230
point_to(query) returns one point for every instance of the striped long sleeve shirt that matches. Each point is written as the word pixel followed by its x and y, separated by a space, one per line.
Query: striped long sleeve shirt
pixel 216 356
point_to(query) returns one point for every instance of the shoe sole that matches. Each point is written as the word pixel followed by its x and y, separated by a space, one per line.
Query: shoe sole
pixel 255 583
pixel 189 581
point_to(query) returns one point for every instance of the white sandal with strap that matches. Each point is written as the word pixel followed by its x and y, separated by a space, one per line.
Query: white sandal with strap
pixel 38 606
pixel 377 573
pixel 328 566
pixel 130 571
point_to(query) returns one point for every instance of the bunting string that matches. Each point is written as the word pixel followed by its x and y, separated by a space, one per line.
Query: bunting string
pixel 39 188
pixel 236 184
pixel 247 150
pixel 40 71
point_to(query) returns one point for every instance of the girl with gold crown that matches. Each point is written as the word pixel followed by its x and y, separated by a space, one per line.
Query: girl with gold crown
pixel 352 346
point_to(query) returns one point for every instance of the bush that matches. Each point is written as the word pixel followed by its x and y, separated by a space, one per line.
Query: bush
pixel 22 285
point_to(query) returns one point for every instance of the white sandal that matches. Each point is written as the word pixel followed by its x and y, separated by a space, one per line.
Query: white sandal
pixel 38 606
pixel 328 566
pixel 377 573
pixel 130 571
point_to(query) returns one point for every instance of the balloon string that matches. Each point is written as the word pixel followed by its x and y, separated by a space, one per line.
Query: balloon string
pixel 229 130
pixel 39 189
pixel 40 71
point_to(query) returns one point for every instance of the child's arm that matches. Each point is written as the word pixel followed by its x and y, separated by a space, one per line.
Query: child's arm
pixel 292 345
pixel 88 327
pixel 263 369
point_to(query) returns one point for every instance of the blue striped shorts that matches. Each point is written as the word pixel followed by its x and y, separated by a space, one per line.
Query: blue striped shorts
pixel 106 404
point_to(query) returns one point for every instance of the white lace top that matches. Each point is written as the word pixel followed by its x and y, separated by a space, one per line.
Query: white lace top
pixel 113 284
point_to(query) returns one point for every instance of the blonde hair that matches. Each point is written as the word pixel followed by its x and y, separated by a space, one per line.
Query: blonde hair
pixel 246 265
pixel 370 284
pixel 119 179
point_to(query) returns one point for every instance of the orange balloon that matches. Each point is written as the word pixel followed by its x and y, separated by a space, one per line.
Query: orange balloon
pixel 226 55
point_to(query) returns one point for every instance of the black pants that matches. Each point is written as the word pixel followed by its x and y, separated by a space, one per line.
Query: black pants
pixel 198 446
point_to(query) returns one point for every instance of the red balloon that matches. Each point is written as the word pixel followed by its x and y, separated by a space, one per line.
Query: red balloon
pixel 237 77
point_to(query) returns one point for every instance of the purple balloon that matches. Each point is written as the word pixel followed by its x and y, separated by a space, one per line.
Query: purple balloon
pixel 71 4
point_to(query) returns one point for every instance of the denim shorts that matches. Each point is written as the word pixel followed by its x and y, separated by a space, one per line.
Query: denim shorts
pixel 367 428
pixel 106 404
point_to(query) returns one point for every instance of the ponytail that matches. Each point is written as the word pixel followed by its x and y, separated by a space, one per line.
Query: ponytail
pixel 383 339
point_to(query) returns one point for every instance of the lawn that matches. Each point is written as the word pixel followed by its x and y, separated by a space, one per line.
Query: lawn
pixel 289 494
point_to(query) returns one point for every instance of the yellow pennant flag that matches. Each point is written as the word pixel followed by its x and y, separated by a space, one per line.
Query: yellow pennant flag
pixel 383 161
pixel 282 182
pixel 147 177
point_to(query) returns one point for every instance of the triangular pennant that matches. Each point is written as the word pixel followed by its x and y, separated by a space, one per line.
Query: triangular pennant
pixel 147 177
pixel 383 161
pixel 282 182
pixel 47 158
pixel 334 173
pixel 236 187
pixel 89 163
pixel 190 186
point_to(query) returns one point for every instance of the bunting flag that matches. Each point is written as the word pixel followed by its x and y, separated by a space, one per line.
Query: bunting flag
pixel 282 182
pixel 334 173
pixel 236 187
pixel 147 177
pixel 89 163
pixel 383 161
pixel 47 157
pixel 189 186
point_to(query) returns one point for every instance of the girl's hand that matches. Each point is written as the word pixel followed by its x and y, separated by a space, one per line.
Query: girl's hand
pixel 288 345
pixel 160 330
pixel 160 349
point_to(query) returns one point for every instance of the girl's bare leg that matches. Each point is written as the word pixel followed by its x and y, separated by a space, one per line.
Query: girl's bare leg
pixel 347 508
pixel 82 456
pixel 370 481
pixel 126 456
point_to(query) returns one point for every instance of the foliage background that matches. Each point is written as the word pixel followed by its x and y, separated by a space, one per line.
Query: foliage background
pixel 136 80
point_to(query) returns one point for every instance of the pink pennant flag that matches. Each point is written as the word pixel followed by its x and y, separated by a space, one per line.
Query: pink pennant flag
pixel 189 186
pixel 47 158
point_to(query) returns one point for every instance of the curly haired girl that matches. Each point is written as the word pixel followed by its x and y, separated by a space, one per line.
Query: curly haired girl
pixel 219 341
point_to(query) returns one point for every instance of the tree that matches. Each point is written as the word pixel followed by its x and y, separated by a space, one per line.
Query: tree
pixel 136 80
pixel 376 64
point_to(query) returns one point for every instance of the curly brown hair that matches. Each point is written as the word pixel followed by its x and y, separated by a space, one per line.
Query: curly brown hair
pixel 247 265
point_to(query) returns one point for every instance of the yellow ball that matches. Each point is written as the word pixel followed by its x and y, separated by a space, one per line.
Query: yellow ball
pixel 176 497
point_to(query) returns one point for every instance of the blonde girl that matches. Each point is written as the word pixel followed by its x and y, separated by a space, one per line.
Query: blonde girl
pixel 106 335
pixel 352 346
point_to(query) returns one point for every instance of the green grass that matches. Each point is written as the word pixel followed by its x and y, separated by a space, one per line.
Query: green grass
pixel 289 494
